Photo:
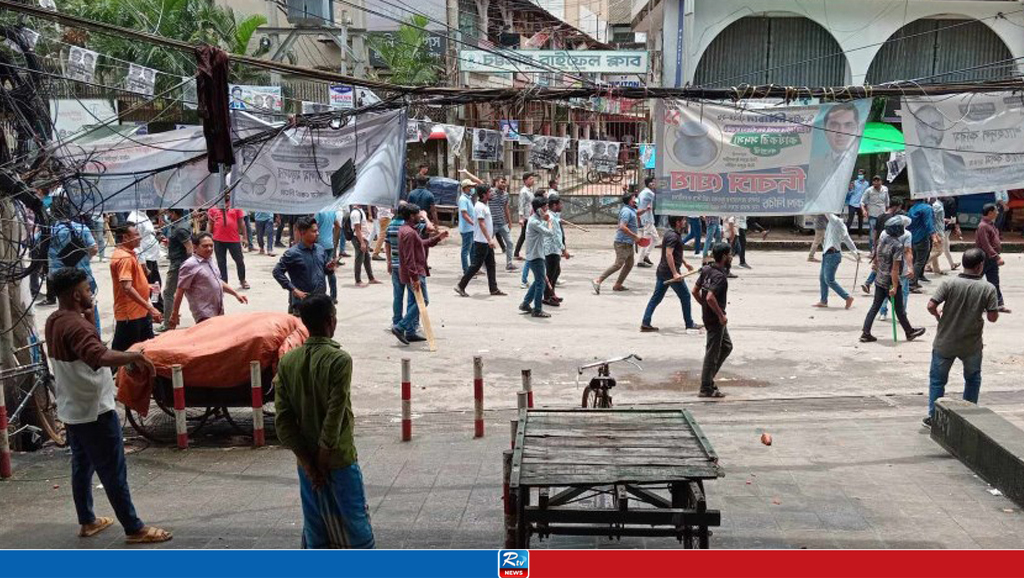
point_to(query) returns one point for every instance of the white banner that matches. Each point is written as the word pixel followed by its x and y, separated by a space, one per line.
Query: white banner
pixel 568 61
pixel 545 151
pixel 140 79
pixel 255 98
pixel 342 97
pixel 963 144
pixel 719 159
pixel 73 116
pixel 487 145
pixel 454 134
pixel 598 154
pixel 81 64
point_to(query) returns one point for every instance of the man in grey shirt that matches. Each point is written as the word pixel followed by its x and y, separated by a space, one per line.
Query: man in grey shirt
pixel 525 210
pixel 964 299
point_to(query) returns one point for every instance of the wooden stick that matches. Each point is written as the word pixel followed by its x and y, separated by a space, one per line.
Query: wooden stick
pixel 575 226
pixel 683 276
pixel 425 317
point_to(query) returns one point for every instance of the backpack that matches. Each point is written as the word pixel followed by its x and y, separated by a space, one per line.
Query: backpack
pixel 346 227
pixel 75 250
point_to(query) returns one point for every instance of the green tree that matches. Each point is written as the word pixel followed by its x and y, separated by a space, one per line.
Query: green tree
pixel 407 56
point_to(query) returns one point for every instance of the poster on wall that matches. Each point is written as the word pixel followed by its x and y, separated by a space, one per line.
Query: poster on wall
pixel 487 145
pixel 964 143
pixel 545 151
pixel 599 155
pixel 140 79
pixel 722 159
pixel 81 64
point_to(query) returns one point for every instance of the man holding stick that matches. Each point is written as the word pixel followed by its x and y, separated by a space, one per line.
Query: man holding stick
pixel 668 271
pixel 412 272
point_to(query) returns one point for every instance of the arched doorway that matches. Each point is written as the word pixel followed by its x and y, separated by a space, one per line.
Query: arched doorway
pixel 793 51
pixel 946 49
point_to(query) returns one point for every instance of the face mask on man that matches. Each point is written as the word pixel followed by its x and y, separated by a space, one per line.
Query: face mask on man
pixel 860 177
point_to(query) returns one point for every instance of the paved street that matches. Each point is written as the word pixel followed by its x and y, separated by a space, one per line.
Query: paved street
pixel 850 467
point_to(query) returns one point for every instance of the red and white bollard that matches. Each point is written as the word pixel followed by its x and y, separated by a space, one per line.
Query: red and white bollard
pixel 179 407
pixel 528 387
pixel 478 396
pixel 5 443
pixel 514 427
pixel 406 399
pixel 522 400
pixel 256 380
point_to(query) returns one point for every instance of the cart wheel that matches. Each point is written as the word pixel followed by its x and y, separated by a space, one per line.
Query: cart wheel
pixel 590 397
pixel 46 412
pixel 159 428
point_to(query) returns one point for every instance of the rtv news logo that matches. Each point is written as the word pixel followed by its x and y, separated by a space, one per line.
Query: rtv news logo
pixel 513 563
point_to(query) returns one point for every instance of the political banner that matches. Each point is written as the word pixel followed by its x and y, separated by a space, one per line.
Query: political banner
pixel 81 64
pixel 140 79
pixel 895 165
pixel 599 155
pixel 309 107
pixel 73 117
pixel 963 144
pixel 546 150
pixel 648 154
pixel 487 145
pixel 454 135
pixel 509 130
pixel 720 159
pixel 255 98
pixel 342 97
pixel 27 38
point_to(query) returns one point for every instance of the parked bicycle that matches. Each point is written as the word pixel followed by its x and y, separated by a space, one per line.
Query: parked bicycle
pixel 37 391
pixel 596 394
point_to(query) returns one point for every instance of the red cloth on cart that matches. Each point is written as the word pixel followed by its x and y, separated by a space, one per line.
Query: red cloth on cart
pixel 214 353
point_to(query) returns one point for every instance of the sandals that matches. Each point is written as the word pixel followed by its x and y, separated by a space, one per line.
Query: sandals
pixel 245 285
pixel 149 535
pixel 95 528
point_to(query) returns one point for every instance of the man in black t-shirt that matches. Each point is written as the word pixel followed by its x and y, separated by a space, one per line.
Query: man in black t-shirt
pixel 179 248
pixel 712 290
pixel 669 268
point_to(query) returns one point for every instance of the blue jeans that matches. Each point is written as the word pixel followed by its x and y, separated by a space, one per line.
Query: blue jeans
pixel 827 278
pixel 467 249
pixel 938 375
pixel 714 233
pixel 660 288
pixel 397 295
pixel 872 221
pixel 693 233
pixel 536 291
pixel 97 448
pixel 526 271
pixel 336 515
pixel 411 321
pixel 265 230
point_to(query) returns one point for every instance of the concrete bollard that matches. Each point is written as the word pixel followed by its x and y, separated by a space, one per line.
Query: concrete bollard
pixel 528 387
pixel 522 400
pixel 406 399
pixel 5 443
pixel 510 510
pixel 256 379
pixel 180 427
pixel 478 397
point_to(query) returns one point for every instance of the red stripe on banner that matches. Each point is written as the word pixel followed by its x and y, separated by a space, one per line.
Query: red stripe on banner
pixel 774 563
pixel 406 391
pixel 179 398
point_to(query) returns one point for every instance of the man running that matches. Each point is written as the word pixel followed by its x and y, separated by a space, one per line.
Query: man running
pixel 645 210
pixel 672 259
pixel 964 299
pixel 625 238
pixel 712 292
pixel 889 258
pixel 483 245
pixel 836 236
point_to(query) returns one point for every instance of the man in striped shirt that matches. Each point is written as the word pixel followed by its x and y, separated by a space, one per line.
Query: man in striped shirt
pixel 501 215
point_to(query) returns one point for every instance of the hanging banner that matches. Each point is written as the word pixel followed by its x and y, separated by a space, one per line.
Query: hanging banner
pixel 487 145
pixel 895 165
pixel 255 98
pixel 418 130
pixel 963 144
pixel 718 159
pixel 454 134
pixel 314 107
pixel 648 154
pixel 28 37
pixel 140 79
pixel 342 97
pixel 73 116
pixel 570 61
pixel 81 64
pixel 509 130
pixel 599 155
pixel 545 151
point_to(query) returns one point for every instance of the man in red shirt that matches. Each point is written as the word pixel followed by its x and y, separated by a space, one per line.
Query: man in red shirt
pixel 227 226
pixel 987 239
pixel 412 271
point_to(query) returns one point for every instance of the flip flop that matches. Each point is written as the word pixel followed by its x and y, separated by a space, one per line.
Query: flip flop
pixel 101 524
pixel 149 535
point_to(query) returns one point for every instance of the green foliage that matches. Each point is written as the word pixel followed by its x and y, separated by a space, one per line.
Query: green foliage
pixel 408 59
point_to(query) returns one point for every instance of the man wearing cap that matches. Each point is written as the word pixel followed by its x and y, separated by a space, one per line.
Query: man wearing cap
pixel 466 220
pixel 625 238
pixel 645 210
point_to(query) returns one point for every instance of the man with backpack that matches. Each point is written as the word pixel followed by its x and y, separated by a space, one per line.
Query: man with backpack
pixel 357 229
pixel 71 245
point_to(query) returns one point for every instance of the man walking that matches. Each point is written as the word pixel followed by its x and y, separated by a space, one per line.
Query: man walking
pixel 361 225
pixel 539 230
pixel 964 300
pixel 302 269
pixel 133 312
pixel 645 211
pixel 413 271
pixel 625 238
pixel 525 210
pixel 179 248
pixel 922 224
pixel 314 420
pixel 85 403
pixel 836 236
pixel 328 235
pixel 668 269
pixel 712 292
pixel 889 260
pixel 265 231
pixel 423 198
pixel 65 235
pixel 501 216
pixel 987 239
pixel 394 262
pixel 820 224
pixel 466 220
pixel 148 251
pixel 204 289
pixel 854 201
pixel 226 225
pixel 483 245
pixel 554 250
pixel 873 204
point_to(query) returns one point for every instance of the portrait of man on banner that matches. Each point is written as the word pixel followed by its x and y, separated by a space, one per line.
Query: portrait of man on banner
pixel 836 139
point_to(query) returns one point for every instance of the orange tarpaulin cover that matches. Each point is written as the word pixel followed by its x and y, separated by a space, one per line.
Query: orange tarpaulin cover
pixel 215 353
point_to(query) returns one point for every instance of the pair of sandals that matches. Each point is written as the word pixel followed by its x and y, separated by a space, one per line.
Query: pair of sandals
pixel 148 534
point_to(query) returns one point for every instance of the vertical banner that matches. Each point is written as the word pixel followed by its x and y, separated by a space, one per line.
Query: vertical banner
pixel 81 64
pixel 140 79
pixel 964 143
pixel 546 150
pixel 719 159
pixel 454 135
pixel 487 145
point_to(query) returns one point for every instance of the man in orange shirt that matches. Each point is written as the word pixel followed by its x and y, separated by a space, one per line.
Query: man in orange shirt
pixel 133 311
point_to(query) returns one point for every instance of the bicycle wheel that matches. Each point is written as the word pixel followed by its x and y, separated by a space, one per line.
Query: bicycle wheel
pixel 45 401
pixel 590 398
pixel 593 177
pixel 616 177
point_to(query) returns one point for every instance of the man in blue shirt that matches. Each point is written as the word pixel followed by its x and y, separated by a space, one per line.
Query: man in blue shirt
pixel 626 237
pixel 922 229
pixel 853 199
pixel 328 236
pixel 423 198
pixel 302 268
pixel 61 233
pixel 466 219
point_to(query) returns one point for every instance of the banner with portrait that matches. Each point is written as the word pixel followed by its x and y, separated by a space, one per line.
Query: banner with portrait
pixel 545 151
pixel 140 79
pixel 81 64
pixel 598 154
pixel 454 134
pixel 723 159
pixel 487 145
pixel 964 143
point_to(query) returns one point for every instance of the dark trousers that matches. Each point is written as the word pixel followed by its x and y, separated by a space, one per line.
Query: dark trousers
pixel 97 448
pixel 922 249
pixel 739 246
pixel 130 332
pixel 483 256
pixel 290 220
pixel 265 230
pixel 553 267
pixel 153 276
pixel 362 261
pixel 881 296
pixel 694 232
pixel 992 276
pixel 221 249
pixel 522 239
pixel 854 212
pixel 717 348
pixel 501 241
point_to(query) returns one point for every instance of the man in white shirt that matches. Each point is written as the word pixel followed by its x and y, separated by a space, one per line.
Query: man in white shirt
pixel 873 204
pixel 645 210
pixel 483 244
pixel 361 226
pixel 836 235
pixel 149 253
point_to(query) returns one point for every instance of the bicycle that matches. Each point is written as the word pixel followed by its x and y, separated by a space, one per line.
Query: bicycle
pixel 596 394
pixel 36 385
pixel 598 176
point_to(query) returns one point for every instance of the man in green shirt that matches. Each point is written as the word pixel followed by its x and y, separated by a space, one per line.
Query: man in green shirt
pixel 314 420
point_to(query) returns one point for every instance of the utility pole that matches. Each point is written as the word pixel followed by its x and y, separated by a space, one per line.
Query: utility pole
pixel 454 78
pixel 344 42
